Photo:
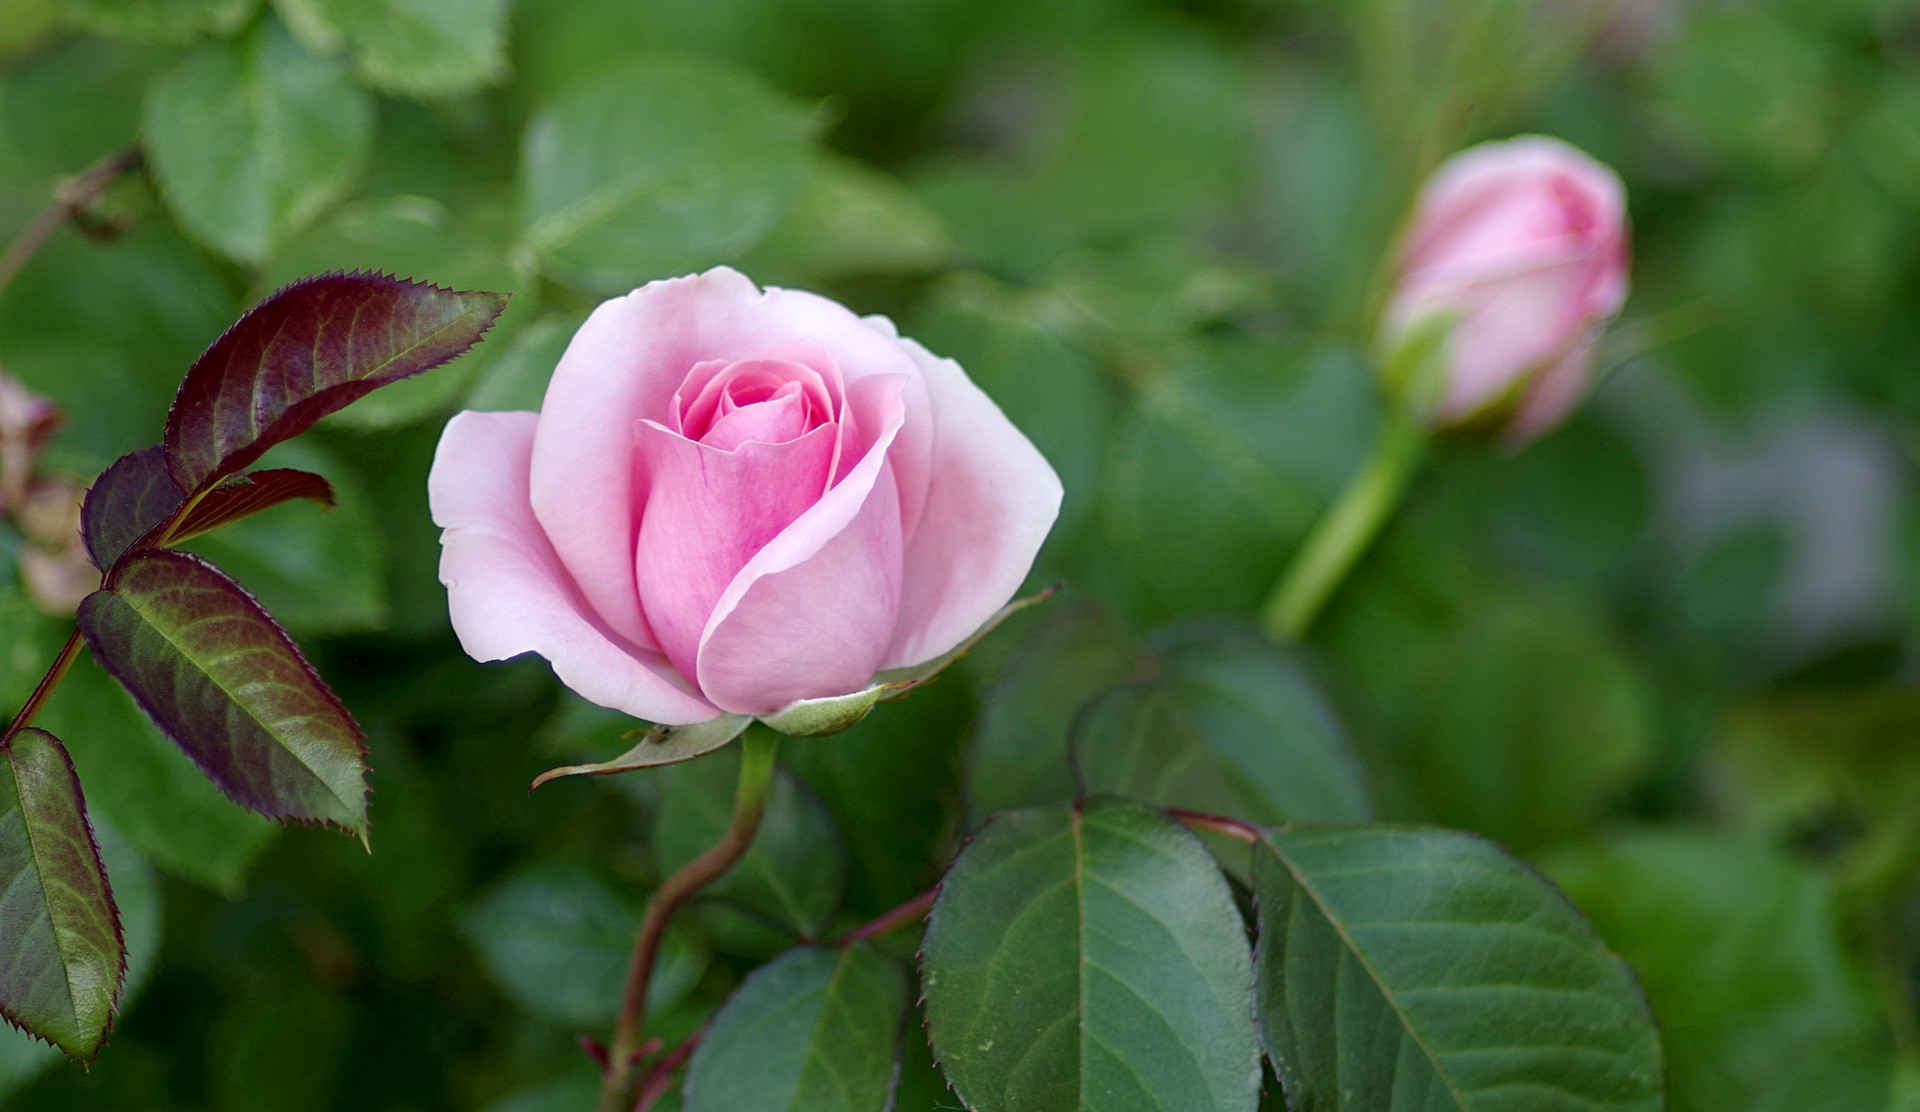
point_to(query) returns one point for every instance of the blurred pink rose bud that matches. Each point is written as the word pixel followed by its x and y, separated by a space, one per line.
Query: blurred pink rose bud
pixel 54 566
pixel 732 500
pixel 27 422
pixel 1515 259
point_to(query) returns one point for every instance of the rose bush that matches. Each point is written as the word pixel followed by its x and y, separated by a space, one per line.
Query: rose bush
pixel 734 499
pixel 1515 258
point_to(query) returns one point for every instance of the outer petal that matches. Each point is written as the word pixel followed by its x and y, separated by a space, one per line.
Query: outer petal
pixel 508 590
pixel 625 364
pixel 813 612
pixel 992 500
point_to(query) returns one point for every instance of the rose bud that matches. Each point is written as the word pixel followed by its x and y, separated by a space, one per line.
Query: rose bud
pixel 734 500
pixel 1515 259
pixel 27 422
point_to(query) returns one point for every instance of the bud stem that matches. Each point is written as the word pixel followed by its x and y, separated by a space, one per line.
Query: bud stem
pixel 749 800
pixel 1344 532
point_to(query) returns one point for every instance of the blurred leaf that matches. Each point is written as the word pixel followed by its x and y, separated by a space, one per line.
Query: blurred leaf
pixel 129 500
pixel 1411 968
pixel 65 955
pixel 1740 953
pixel 251 140
pixel 277 1051
pixel 556 939
pixel 1789 760
pixel 851 219
pixel 408 47
pixel 1090 957
pixel 1529 722
pixel 1018 756
pixel 23 23
pixel 1743 84
pixel 163 21
pixel 316 571
pixel 310 349
pixel 814 1029
pixel 227 684
pixel 1228 724
pixel 794 874
pixel 554 1096
pixel 516 375
pixel 659 167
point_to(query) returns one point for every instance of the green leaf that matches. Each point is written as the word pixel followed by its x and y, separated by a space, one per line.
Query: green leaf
pixel 1019 753
pixel 226 683
pixel 1229 724
pixel 659 745
pixel 251 140
pixel 161 21
pixel 129 500
pixel 1428 970
pixel 150 792
pixel 658 167
pixel 793 875
pixel 1742 954
pixel 409 47
pixel 1090 957
pixel 310 349
pixel 556 938
pixel 852 219
pixel 65 957
pixel 816 1030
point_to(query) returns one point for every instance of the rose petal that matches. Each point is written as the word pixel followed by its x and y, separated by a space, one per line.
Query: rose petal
pixel 625 364
pixel 812 612
pixel 708 512
pixel 992 501
pixel 507 590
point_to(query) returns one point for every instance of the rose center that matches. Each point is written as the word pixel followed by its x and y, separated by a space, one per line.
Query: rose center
pixel 768 401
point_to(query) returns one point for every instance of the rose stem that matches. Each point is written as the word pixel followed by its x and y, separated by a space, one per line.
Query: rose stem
pixel 1236 829
pixel 658 1080
pixel 749 800
pixel 1343 533
pixel 906 914
pixel 48 682
pixel 70 198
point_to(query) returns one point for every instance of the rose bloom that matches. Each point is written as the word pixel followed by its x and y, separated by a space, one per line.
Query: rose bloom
pixel 1518 250
pixel 733 499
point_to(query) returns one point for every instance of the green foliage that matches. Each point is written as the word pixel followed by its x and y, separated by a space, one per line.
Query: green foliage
pixel 407 47
pixel 1089 956
pixel 812 1029
pixel 1359 1010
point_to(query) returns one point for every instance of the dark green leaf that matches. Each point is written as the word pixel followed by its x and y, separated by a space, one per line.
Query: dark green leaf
pixel 1429 971
pixel 816 1030
pixel 64 955
pixel 1090 957
pixel 248 493
pixel 1230 724
pixel 251 140
pixel 556 938
pixel 305 352
pixel 794 874
pixel 658 167
pixel 226 683
pixel 450 46
pixel 129 500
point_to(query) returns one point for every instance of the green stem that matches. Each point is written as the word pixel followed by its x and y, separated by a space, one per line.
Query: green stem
pixel 1343 534
pixel 55 671
pixel 749 800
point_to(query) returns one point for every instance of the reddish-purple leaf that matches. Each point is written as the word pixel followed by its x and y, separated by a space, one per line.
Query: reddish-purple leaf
pixel 220 677
pixel 311 349
pixel 128 501
pixel 246 494
pixel 62 959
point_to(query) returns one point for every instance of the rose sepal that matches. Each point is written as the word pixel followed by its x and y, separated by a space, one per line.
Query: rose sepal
pixel 659 745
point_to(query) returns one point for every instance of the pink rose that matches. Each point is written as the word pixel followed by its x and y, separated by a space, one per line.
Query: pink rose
pixel 1515 259
pixel 732 500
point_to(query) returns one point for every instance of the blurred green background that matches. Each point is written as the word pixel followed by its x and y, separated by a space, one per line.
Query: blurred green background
pixel 1669 652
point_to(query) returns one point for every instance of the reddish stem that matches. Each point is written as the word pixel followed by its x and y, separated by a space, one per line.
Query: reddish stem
pixel 913 911
pixel 658 1080
pixel 1219 824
